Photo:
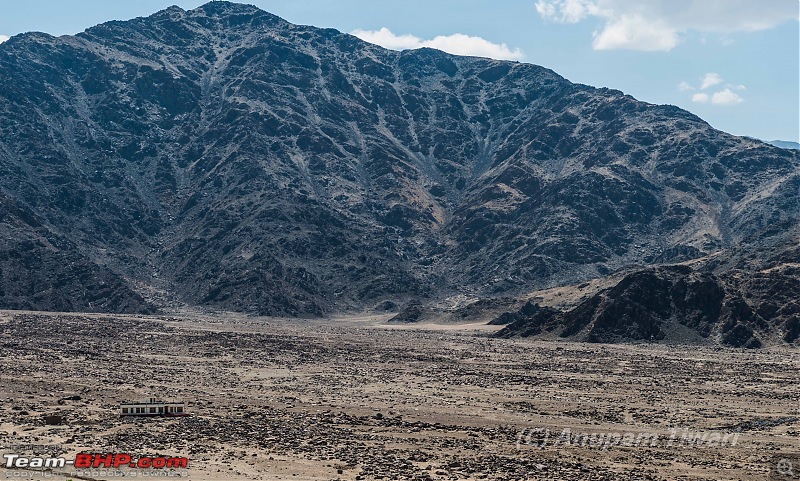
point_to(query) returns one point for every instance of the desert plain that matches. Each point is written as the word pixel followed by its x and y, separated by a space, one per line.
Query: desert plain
pixel 358 398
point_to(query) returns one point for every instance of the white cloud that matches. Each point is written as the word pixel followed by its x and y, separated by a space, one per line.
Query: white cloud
pixel 657 24
pixel 3 38
pixel 457 43
pixel 566 11
pixel 723 97
pixel 726 97
pixel 637 33
pixel 460 44
pixel 385 38
pixel 710 79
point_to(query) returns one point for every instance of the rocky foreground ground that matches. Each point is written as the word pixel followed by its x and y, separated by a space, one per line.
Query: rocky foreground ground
pixel 354 399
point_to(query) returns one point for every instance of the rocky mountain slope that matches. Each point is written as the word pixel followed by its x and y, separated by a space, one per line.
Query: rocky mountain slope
pixel 224 157
pixel 40 269
pixel 678 304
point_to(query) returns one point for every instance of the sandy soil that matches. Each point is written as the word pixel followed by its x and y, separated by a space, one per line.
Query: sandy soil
pixel 355 398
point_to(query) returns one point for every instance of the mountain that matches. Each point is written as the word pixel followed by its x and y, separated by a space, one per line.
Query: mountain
pixel 785 144
pixel 223 157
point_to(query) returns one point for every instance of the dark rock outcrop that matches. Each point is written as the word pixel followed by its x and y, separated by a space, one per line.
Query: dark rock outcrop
pixel 736 307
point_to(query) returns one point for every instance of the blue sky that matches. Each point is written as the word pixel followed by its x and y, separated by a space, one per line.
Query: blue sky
pixel 735 63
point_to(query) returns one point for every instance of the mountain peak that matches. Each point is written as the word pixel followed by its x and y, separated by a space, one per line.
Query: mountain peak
pixel 223 8
pixel 233 15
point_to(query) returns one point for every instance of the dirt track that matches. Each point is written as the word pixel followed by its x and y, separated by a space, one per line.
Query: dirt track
pixel 351 399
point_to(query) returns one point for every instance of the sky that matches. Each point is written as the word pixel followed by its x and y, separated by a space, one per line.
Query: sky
pixel 734 63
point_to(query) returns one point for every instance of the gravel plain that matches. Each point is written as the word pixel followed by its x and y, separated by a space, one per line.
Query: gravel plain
pixel 357 399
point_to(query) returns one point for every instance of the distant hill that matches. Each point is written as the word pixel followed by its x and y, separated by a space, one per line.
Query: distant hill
pixel 785 144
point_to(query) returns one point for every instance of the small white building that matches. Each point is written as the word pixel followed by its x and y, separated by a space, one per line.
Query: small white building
pixel 153 407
